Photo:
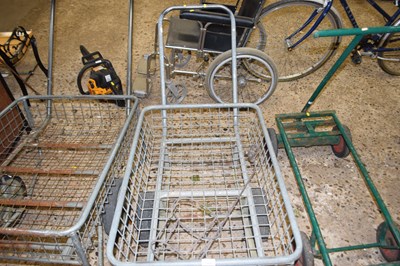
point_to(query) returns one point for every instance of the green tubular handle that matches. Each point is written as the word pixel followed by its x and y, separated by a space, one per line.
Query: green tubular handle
pixel 358 34
pixel 356 31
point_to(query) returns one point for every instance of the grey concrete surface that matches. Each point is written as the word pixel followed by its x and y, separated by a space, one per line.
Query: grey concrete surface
pixel 365 98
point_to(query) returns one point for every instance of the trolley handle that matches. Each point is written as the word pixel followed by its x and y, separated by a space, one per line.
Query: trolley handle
pixel 356 31
pixel 358 34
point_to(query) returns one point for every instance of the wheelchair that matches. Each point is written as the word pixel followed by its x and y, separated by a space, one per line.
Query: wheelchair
pixel 199 39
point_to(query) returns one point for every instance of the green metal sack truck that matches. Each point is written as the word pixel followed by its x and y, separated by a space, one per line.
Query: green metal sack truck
pixel 300 129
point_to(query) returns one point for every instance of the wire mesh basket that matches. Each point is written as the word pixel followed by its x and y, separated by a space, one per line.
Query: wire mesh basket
pixel 59 158
pixel 203 187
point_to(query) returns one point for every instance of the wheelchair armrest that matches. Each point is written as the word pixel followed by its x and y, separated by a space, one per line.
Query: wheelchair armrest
pixel 218 18
pixel 231 7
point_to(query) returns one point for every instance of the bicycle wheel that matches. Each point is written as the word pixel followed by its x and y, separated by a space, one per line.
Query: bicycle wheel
pixel 283 18
pixel 389 61
pixel 257 38
pixel 256 77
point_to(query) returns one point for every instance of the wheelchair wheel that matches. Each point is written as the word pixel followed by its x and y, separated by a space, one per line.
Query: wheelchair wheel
pixel 283 18
pixel 256 77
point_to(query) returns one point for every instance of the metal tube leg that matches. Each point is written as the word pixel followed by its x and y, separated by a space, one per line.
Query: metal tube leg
pixel 129 73
pixel 79 249
pixel 100 259
pixel 51 42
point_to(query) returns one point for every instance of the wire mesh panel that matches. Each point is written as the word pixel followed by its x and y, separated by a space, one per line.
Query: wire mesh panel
pixel 201 186
pixel 60 156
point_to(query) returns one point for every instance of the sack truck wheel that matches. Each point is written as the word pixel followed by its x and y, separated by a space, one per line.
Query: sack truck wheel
pixel 341 150
pixel 385 236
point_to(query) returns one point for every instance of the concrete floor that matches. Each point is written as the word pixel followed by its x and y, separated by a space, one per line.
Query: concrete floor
pixel 364 97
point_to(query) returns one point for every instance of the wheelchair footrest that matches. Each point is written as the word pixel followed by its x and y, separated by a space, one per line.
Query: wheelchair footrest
pixel 140 86
pixel 142 66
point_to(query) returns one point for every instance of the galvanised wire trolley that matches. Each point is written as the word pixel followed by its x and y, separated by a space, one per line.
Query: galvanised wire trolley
pixel 200 188
pixel 310 129
pixel 59 158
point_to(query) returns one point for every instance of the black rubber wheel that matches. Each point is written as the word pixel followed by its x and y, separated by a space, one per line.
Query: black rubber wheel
pixel 274 140
pixel 341 150
pixel 385 236
pixel 109 206
pixel 307 256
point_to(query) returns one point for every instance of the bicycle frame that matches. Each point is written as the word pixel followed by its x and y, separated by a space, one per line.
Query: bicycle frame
pixel 324 11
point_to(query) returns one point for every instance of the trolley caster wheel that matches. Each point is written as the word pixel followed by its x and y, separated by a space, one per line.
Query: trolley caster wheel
pixel 274 140
pixel 341 150
pixel 11 187
pixel 385 236
pixel 109 206
pixel 178 96
pixel 307 256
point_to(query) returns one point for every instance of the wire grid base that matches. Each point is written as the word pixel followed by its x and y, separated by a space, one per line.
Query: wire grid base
pixel 194 193
pixel 59 158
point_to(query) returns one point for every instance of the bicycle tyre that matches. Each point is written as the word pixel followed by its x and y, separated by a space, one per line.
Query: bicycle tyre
pixel 257 38
pixel 257 76
pixel 281 19
pixel 391 40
